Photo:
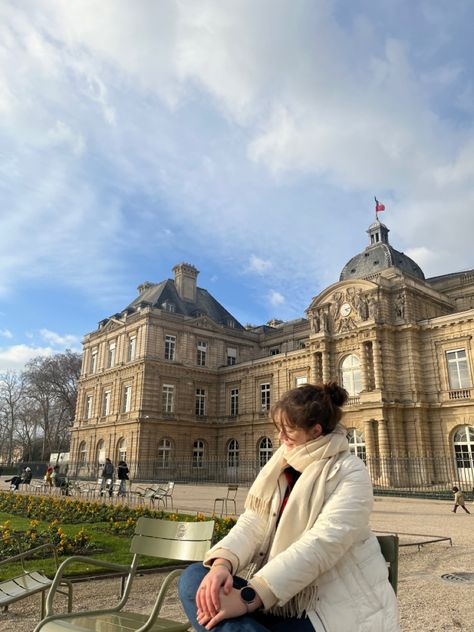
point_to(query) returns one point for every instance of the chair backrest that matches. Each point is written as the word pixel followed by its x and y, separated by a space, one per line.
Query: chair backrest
pixel 185 541
pixel 389 547
pixel 232 491
pixel 169 491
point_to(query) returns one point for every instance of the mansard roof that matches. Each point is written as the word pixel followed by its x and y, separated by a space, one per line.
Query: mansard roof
pixel 164 294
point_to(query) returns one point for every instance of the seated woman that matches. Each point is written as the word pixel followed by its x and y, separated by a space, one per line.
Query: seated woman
pixel 305 531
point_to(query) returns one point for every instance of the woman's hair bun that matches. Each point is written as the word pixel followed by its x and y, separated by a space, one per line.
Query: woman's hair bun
pixel 337 394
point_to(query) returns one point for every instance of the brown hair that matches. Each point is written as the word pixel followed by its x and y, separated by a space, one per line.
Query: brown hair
pixel 311 404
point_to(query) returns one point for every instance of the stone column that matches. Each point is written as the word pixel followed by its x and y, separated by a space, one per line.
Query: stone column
pixel 326 366
pixel 385 460
pixel 370 448
pixel 316 376
pixel 376 354
pixel 363 365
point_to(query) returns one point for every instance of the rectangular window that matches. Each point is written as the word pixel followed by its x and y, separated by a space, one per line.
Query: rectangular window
pixel 274 351
pixel 301 381
pixel 111 355
pixel 93 367
pixel 170 347
pixel 88 407
pixel 458 371
pixel 131 350
pixel 106 404
pixel 127 399
pixel 234 402
pixel 231 356
pixel 167 398
pixel 265 396
pixel 200 402
pixel 201 353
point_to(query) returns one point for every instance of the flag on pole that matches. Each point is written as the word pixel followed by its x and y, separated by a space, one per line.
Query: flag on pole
pixel 379 206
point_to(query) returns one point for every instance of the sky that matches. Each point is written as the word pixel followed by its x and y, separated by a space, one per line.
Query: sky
pixel 247 137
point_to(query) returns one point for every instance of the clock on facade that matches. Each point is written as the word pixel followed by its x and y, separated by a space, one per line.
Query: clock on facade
pixel 345 310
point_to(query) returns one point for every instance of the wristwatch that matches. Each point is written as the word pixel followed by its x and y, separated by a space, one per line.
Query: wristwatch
pixel 248 594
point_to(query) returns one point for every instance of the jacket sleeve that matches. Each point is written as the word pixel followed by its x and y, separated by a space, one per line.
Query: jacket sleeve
pixel 343 521
pixel 241 544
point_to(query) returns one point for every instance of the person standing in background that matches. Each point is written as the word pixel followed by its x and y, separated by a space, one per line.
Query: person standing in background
pixel 122 475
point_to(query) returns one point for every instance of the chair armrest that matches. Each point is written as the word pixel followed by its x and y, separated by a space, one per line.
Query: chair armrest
pixel 20 557
pixel 85 560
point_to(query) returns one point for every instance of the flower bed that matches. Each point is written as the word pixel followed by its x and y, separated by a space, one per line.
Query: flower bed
pixel 68 511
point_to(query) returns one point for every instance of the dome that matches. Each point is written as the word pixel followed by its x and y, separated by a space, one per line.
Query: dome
pixel 379 255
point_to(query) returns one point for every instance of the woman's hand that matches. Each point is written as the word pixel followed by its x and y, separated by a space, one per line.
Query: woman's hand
pixel 231 606
pixel 216 583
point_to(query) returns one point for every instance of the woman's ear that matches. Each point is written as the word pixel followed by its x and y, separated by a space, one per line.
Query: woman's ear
pixel 317 431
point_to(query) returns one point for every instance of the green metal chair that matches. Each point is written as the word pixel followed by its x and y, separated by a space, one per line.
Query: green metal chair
pixel 389 547
pixel 184 541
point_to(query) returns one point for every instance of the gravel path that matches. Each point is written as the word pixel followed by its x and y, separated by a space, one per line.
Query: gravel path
pixel 427 603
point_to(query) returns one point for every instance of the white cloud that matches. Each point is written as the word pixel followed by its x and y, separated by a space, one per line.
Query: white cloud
pixel 15 357
pixel 61 133
pixel 138 103
pixel 258 265
pixel 6 333
pixel 275 298
pixel 60 340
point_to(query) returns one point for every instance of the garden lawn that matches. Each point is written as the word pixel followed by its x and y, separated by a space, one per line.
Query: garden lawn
pixel 107 546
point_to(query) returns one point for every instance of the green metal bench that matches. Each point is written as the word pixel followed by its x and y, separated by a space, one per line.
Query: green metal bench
pixel 389 547
pixel 30 582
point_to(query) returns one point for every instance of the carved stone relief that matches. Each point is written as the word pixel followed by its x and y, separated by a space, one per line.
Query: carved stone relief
pixel 346 309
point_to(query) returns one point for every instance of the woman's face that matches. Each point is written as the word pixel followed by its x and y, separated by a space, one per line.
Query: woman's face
pixel 293 436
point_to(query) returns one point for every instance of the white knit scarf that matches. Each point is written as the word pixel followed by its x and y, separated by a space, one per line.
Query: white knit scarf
pixel 314 460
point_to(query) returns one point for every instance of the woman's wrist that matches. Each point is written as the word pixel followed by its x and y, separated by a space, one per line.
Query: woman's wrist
pixel 222 562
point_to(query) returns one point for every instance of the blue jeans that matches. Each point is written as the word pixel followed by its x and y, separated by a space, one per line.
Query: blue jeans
pixel 256 622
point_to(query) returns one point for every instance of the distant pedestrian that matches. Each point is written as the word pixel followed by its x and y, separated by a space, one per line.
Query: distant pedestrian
pixel 108 477
pixel 48 476
pixel 122 475
pixel 459 500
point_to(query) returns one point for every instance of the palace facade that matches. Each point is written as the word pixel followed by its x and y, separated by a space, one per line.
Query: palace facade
pixel 175 379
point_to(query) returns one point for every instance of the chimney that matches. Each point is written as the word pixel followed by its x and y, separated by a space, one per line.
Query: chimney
pixel 185 276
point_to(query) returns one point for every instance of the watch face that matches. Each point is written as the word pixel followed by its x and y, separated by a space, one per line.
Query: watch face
pixel 345 309
pixel 248 594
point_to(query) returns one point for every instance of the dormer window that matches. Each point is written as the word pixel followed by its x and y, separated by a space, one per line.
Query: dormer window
pixel 168 306
pixel 274 351
pixel 230 323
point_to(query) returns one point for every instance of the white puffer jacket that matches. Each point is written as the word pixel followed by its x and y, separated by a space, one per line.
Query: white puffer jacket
pixel 339 552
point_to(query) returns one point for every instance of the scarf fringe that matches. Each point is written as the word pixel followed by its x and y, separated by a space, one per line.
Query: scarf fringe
pixel 298 605
pixel 258 505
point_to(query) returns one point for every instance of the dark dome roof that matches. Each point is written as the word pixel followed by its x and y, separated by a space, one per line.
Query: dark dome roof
pixel 379 255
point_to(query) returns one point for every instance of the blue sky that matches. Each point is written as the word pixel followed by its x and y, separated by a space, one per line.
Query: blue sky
pixel 246 137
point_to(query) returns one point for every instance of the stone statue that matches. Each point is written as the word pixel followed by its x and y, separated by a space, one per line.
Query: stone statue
pixel 316 322
pixel 362 306
pixel 373 307
pixel 400 306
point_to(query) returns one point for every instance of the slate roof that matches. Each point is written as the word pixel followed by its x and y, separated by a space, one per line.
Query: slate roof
pixel 379 256
pixel 158 293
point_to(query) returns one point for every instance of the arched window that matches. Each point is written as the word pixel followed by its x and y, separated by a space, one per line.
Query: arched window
pixel 350 375
pixel 356 440
pixel 463 442
pixel 100 452
pixel 265 450
pixel 165 447
pixel 121 450
pixel 82 454
pixel 198 453
pixel 233 453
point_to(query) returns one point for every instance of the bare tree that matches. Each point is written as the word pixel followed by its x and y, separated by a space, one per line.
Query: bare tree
pixel 12 393
pixel 52 392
